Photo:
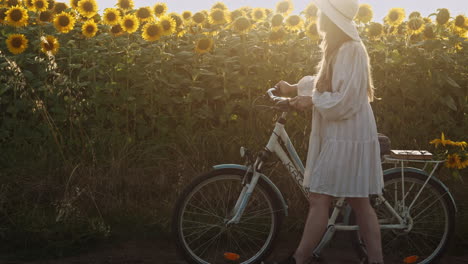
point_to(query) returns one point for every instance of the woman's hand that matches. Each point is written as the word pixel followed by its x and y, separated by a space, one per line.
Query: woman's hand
pixel 285 88
pixel 301 102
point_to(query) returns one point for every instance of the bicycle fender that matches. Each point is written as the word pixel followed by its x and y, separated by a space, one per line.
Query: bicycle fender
pixel 263 177
pixel 419 171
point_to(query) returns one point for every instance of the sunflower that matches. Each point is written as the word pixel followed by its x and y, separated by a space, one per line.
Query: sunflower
pixel 443 16
pixel 29 5
pixel 187 15
pixel 429 31
pixel 219 5
pixel 198 18
pixel 177 18
pixel 49 44
pixel 218 17
pixel 414 14
pixel 144 14
pixel 364 14
pixel 293 22
pixel 395 16
pixel 277 36
pixel 17 16
pixel 374 30
pixel 17 43
pixel 59 7
pixel 311 30
pixel 277 21
pixel 310 12
pixel 453 161
pixel 50 4
pixel 460 25
pixel 236 14
pixel 460 21
pixel 284 7
pixel 64 22
pixel 204 45
pixel 111 16
pixel 160 9
pixel 46 16
pixel 40 5
pixel 415 25
pixel 116 30
pixel 258 14
pixel 464 164
pixel 89 28
pixel 87 8
pixel 74 3
pixel 125 4
pixel 241 25
pixel 129 23
pixel 441 141
pixel 168 25
pixel 152 31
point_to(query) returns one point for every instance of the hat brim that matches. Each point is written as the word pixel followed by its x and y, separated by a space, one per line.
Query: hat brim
pixel 347 25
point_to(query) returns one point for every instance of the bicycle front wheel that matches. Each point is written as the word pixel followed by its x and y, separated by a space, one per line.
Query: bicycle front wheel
pixel 430 220
pixel 200 220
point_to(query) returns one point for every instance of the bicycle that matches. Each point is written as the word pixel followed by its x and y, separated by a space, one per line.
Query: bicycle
pixel 234 212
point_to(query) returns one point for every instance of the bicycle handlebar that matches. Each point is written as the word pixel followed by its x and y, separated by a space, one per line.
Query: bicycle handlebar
pixel 281 102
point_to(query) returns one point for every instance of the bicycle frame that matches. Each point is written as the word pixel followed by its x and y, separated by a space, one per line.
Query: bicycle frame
pixel 281 145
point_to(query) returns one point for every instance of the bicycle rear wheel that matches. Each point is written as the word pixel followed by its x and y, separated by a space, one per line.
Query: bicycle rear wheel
pixel 431 220
pixel 203 208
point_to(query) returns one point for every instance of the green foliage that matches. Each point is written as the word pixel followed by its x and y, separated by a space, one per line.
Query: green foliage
pixel 103 136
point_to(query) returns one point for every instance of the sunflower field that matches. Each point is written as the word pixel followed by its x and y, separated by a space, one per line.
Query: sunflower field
pixel 106 116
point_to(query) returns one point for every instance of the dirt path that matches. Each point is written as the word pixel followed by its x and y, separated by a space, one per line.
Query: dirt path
pixel 163 251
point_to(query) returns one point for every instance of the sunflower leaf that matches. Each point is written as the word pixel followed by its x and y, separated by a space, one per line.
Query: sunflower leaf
pixel 453 83
pixel 448 100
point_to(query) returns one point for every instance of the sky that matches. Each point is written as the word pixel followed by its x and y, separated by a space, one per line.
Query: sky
pixel 381 7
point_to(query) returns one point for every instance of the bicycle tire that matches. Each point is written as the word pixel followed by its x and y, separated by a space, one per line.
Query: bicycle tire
pixel 262 189
pixel 441 202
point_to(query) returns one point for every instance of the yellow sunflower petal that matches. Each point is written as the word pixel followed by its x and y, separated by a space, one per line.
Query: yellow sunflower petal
pixel 160 9
pixel 144 14
pixel 241 25
pixel 39 5
pixel 111 16
pixel 219 16
pixel 49 44
pixel 17 43
pixel 87 8
pixel 64 22
pixel 395 16
pixel 204 45
pixel 284 7
pixel 125 4
pixel 129 23
pixel 89 28
pixel 293 22
pixel 17 16
pixel 152 31
pixel 364 14
pixel 168 25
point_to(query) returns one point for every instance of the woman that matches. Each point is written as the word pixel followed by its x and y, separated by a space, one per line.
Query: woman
pixel 344 153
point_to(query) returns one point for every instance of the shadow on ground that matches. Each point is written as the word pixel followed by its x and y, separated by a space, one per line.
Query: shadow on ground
pixel 162 251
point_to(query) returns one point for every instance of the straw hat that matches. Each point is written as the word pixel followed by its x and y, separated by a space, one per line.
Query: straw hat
pixel 342 13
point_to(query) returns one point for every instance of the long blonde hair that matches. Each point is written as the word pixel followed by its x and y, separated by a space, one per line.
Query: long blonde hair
pixel 333 37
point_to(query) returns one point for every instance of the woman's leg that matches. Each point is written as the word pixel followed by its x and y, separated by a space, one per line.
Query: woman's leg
pixel 315 226
pixel 369 228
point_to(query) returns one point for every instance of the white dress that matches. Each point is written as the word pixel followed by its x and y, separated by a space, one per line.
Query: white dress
pixel 343 159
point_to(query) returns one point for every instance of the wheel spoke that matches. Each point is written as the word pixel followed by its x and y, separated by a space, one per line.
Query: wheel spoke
pixel 208 205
